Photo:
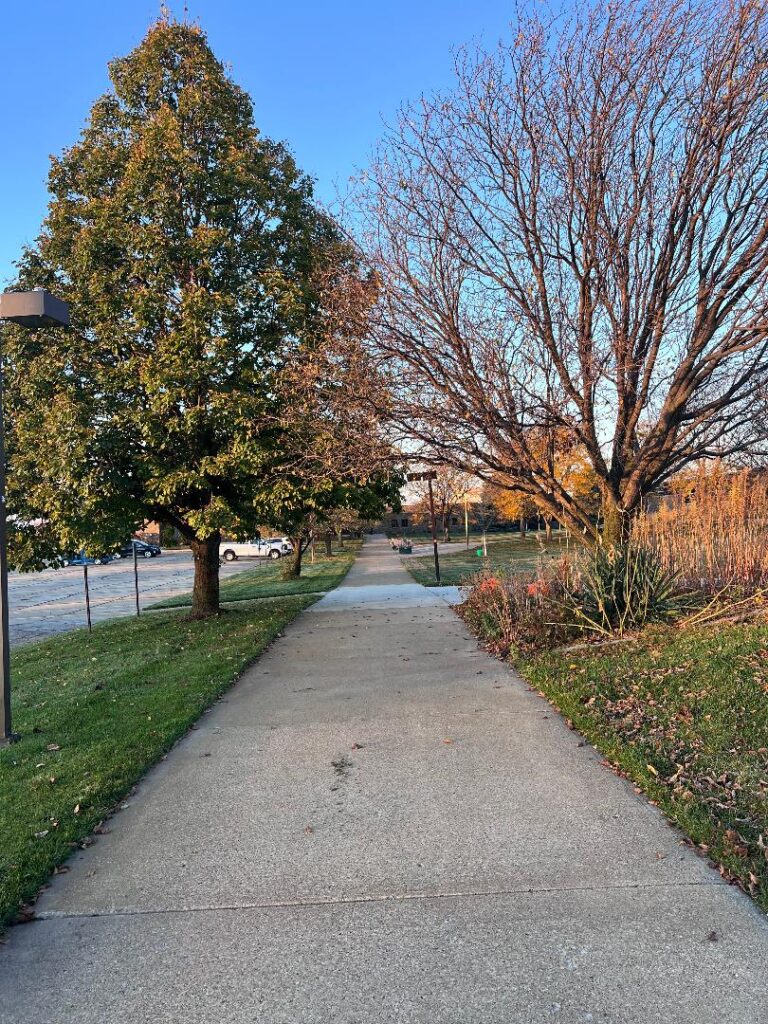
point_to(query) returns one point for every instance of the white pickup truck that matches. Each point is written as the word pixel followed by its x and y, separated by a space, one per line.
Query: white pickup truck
pixel 272 547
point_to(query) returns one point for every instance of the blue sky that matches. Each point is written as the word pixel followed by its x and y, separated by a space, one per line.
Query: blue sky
pixel 322 75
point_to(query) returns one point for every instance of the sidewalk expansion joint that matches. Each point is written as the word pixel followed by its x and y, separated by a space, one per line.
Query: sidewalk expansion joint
pixel 54 915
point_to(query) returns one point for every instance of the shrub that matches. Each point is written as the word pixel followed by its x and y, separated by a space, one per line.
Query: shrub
pixel 619 589
pixel 519 610
pixel 607 591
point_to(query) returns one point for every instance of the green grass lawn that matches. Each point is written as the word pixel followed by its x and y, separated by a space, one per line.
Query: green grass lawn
pixel 457 536
pixel 265 578
pixel 95 711
pixel 684 714
pixel 504 554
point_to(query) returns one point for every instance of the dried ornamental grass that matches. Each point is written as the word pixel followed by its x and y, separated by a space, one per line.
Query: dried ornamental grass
pixel 712 530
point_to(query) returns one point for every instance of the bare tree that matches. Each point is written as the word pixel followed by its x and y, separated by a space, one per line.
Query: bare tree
pixel 575 240
pixel 449 490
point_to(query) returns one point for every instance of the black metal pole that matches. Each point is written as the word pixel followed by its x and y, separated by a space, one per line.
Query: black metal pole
pixel 434 530
pixel 7 735
pixel 87 596
pixel 29 309
pixel 136 576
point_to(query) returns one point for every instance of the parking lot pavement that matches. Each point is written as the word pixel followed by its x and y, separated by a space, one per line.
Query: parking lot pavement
pixel 53 601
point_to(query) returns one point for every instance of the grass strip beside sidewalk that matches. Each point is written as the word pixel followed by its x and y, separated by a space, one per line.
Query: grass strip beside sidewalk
pixel 457 567
pixel 95 711
pixel 684 715
pixel 265 579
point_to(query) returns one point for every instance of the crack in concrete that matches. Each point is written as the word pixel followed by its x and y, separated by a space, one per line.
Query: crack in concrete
pixel 54 915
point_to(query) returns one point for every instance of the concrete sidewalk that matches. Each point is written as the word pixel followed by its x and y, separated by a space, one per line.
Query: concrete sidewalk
pixel 382 824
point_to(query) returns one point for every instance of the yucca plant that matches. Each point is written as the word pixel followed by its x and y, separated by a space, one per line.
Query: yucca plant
pixel 619 589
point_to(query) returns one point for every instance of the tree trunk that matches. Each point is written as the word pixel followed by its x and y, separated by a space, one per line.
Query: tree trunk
pixel 292 569
pixel 617 522
pixel 328 548
pixel 340 535
pixel 523 525
pixel 548 528
pixel 205 590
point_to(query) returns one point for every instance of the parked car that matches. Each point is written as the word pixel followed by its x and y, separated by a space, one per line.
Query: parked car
pixel 272 547
pixel 80 558
pixel 143 549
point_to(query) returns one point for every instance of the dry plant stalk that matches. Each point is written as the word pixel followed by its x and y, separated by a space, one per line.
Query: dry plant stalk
pixel 713 530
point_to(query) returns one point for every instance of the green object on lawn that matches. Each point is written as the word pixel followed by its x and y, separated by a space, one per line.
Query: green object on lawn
pixel 479 552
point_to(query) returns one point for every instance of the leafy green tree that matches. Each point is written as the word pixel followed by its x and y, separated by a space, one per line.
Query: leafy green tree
pixel 189 249
pixel 335 457
pixel 309 510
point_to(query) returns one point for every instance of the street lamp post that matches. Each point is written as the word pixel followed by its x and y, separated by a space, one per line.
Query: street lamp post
pixel 429 476
pixel 37 308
